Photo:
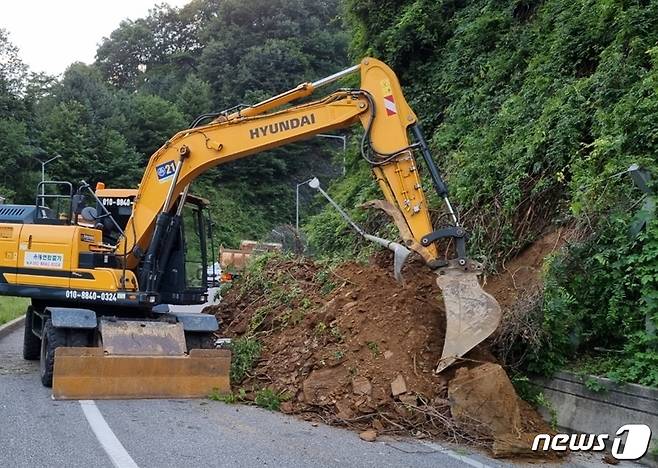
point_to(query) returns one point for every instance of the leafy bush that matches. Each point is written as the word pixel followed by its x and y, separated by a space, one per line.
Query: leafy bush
pixel 602 295
pixel 270 399
pixel 245 353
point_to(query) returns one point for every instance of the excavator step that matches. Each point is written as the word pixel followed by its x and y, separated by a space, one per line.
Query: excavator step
pixel 91 374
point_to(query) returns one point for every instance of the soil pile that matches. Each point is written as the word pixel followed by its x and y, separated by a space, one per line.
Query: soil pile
pixel 521 277
pixel 352 347
pixel 518 288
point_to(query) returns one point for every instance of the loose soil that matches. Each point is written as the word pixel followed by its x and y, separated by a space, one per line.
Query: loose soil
pixel 353 347
pixel 521 276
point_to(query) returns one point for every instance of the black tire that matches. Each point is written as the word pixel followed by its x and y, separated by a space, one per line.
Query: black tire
pixel 51 339
pixel 199 340
pixel 31 342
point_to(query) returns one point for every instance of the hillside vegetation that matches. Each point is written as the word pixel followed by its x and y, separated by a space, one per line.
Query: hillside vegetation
pixel 534 111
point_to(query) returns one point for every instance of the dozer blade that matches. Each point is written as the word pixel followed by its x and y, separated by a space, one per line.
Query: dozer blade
pixel 472 314
pixel 140 359
pixel 88 374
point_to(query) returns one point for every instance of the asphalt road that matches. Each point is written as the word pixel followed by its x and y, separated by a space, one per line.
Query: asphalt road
pixel 36 431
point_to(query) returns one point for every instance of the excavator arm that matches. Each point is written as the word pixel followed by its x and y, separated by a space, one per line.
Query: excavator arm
pixel 381 108
pixel 378 105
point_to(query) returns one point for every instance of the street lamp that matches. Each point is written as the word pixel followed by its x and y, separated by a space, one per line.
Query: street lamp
pixel 297 201
pixel 43 172
pixel 343 138
pixel 314 183
pixel 400 252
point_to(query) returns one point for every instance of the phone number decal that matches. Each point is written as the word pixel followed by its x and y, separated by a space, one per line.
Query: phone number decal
pixel 116 201
pixel 91 295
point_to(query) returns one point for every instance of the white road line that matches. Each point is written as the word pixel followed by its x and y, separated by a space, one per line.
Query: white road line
pixel 462 458
pixel 112 446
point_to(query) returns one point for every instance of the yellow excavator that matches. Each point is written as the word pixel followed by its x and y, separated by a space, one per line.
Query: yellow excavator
pixel 98 275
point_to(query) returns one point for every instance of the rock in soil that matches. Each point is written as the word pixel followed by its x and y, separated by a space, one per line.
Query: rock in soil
pixel 484 396
pixel 361 386
pixel 398 386
pixel 369 435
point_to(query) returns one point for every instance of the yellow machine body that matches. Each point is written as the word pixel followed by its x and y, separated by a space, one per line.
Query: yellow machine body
pixel 47 256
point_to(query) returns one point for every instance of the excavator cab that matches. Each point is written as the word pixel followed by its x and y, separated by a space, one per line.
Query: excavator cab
pixel 185 281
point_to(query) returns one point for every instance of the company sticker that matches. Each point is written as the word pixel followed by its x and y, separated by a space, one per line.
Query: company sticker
pixel 165 170
pixel 44 260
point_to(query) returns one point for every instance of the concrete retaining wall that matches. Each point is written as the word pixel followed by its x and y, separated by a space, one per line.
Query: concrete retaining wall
pixel 9 327
pixel 582 410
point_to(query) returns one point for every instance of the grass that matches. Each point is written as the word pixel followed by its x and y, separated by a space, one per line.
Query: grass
pixel 246 352
pixel 229 398
pixel 270 399
pixel 12 307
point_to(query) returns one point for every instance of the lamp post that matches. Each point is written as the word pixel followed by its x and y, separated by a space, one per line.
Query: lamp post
pixel 342 138
pixel 297 202
pixel 43 171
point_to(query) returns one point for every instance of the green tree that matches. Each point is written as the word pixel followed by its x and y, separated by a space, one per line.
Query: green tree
pixel 13 73
pixel 150 121
pixel 194 97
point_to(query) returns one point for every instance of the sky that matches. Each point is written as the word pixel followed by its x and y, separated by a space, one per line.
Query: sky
pixel 52 34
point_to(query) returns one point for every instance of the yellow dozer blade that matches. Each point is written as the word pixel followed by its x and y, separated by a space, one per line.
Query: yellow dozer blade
pixel 472 314
pixel 140 360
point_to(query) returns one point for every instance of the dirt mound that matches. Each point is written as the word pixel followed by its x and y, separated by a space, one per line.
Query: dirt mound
pixel 518 288
pixel 522 275
pixel 353 347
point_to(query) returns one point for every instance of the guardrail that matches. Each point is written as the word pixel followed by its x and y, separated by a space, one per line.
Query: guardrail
pixel 588 404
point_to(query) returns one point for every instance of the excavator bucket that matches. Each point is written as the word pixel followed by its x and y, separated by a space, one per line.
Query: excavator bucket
pixel 140 360
pixel 472 314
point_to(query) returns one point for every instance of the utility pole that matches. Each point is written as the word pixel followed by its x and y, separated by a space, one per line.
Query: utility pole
pixel 43 171
pixel 297 202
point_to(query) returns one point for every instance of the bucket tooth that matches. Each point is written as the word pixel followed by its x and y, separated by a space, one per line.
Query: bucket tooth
pixel 472 314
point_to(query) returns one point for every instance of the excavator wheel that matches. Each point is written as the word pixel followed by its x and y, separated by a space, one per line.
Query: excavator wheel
pixel 53 338
pixel 31 342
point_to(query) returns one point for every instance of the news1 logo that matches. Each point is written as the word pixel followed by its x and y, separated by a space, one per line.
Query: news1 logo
pixel 638 437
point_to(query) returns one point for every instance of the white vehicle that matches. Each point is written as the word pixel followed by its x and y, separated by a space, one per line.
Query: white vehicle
pixel 214 275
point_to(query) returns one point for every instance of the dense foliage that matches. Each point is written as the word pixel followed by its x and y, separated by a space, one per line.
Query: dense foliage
pixel 531 108
pixel 152 77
